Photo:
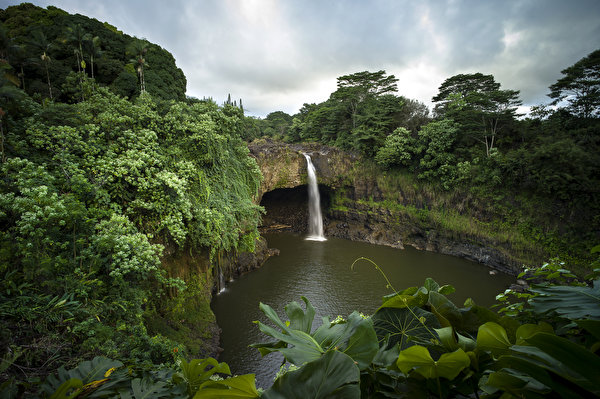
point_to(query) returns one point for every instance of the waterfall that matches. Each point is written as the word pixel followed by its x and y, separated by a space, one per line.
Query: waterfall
pixel 221 282
pixel 315 219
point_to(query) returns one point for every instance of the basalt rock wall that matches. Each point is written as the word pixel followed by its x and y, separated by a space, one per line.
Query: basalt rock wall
pixel 284 165
pixel 362 217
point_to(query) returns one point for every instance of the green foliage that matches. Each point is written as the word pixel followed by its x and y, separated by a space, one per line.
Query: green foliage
pixel 470 356
pixel 355 337
pixel 106 378
pixel 92 193
pixel 397 150
pixel 438 162
pixel 331 376
pixel 78 44
pixel 580 86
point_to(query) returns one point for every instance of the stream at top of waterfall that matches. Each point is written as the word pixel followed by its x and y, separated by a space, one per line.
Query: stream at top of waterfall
pixel 320 271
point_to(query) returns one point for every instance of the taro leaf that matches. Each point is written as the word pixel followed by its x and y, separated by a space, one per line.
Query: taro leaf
pixel 410 291
pixel 304 348
pixel 571 302
pixel 565 358
pixel 241 386
pixel 386 357
pixel 492 336
pixel 516 383
pixel 355 337
pixel 527 330
pixel 474 315
pixel 413 296
pixel 431 285
pixel 298 319
pixel 449 365
pixel 446 289
pixel 195 373
pixel 444 309
pixel 451 340
pixel 403 301
pixel 522 368
pixel 404 326
pixel 334 375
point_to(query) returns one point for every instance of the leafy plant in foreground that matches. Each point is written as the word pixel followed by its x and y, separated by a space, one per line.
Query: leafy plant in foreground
pixel 425 345
pixel 417 344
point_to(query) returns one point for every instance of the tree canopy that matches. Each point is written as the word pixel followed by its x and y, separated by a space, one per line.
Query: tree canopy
pixel 580 87
pixel 52 43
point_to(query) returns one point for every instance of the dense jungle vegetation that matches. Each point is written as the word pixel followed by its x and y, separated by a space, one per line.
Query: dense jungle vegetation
pixel 538 175
pixel 108 169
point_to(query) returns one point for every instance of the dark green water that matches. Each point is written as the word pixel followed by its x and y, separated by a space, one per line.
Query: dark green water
pixel 321 272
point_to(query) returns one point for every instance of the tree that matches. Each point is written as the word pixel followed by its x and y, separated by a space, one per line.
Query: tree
pixel 398 149
pixel 435 142
pixel 413 115
pixel 41 44
pixel 92 46
pixel 580 87
pixel 139 48
pixel 478 104
pixel 355 89
pixel 76 37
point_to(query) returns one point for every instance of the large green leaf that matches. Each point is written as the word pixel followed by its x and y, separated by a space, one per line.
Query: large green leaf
pixel 355 337
pixel 518 384
pixel 403 301
pixel 446 312
pixel 548 361
pixel 527 330
pixel 571 302
pixel 492 336
pixel 303 347
pixel 536 378
pixel 198 372
pixel 418 358
pixel 144 388
pixel 565 358
pixel 242 386
pixel 386 355
pixel 451 340
pixel 92 372
pixel 334 375
pixel 68 389
pixel 299 320
pixel 405 326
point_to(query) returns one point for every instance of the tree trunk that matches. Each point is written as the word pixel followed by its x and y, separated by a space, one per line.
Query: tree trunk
pixel 2 137
pixel 48 77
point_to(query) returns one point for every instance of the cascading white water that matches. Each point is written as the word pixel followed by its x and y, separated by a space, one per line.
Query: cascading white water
pixel 315 219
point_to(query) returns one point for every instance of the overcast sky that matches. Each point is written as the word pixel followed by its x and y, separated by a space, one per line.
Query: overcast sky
pixel 277 55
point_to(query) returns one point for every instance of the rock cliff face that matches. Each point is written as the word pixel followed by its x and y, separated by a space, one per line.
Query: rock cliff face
pixel 284 165
pixel 283 194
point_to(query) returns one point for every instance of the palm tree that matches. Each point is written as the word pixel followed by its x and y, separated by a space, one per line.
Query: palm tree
pixel 92 46
pixel 76 36
pixel 41 44
pixel 139 48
